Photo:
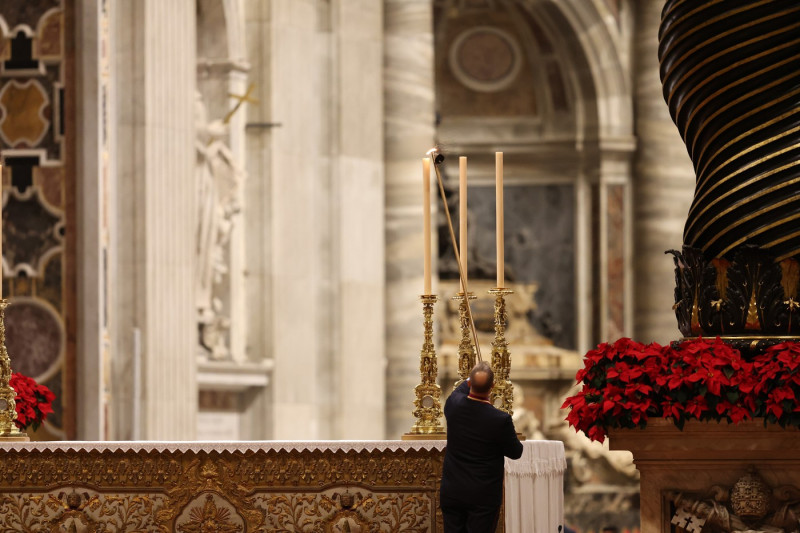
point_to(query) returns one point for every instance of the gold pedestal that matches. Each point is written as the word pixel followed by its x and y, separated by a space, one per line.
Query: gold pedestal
pixel 8 413
pixel 503 392
pixel 428 409
pixel 466 348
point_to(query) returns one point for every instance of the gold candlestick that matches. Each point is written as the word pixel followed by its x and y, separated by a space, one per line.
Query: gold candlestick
pixel 8 413
pixel 428 412
pixel 466 349
pixel 503 391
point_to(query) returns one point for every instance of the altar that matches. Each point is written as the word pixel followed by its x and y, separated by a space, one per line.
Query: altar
pixel 332 486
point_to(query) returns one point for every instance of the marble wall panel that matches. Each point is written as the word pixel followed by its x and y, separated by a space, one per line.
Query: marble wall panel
pixel 28 13
pixel 32 110
pixel 36 139
pixel 539 248
pixel 615 307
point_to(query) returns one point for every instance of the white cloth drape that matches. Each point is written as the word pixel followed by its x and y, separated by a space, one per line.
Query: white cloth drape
pixel 534 488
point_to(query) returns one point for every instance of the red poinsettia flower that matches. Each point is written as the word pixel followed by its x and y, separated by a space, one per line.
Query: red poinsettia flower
pixel 625 383
pixel 33 402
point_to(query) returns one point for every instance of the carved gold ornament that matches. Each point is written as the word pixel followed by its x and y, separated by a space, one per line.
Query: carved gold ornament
pixel 196 491
pixel 209 518
pixel 427 405
pixel 503 391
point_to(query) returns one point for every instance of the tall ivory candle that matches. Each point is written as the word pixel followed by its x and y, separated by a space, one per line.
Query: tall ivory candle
pixel 498 159
pixel 426 218
pixel 1 232
pixel 462 217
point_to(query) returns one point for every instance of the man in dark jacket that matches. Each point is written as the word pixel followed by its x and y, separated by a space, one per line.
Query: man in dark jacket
pixel 479 436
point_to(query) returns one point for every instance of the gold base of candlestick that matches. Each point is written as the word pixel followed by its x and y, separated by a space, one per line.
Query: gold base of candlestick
pixel 503 391
pixel 428 409
pixel 8 412
pixel 424 436
pixel 466 348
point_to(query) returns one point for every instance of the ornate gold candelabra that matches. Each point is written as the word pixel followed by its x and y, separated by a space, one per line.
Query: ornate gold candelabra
pixel 8 412
pixel 428 408
pixel 466 349
pixel 503 392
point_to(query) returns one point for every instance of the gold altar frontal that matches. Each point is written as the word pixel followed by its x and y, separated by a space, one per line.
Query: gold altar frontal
pixel 257 486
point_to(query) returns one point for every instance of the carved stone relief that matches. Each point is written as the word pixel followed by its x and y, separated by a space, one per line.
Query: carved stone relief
pixel 750 504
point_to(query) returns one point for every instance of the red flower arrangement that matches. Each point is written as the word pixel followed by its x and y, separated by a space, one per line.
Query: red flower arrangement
pixel 33 401
pixel 626 383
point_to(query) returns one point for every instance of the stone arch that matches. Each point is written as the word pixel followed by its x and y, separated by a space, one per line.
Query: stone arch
pixel 220 29
pixel 592 43
pixel 587 38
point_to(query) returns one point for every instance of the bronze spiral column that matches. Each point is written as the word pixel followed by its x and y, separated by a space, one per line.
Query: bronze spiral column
pixel 731 78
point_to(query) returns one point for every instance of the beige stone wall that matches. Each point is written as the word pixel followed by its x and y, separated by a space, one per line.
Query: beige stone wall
pixel 663 187
pixel 315 215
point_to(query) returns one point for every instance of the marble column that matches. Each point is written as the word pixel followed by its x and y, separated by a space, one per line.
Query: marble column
pixel 157 218
pixel 91 193
pixel 663 187
pixel 408 134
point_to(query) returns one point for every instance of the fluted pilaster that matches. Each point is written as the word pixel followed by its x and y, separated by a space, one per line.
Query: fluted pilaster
pixel 663 186
pixel 408 134
pixel 158 217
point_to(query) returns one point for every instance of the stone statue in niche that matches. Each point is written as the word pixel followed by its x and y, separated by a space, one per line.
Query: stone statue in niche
pixel 219 180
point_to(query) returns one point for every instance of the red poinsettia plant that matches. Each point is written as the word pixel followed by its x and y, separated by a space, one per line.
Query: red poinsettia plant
pixel 626 383
pixel 33 401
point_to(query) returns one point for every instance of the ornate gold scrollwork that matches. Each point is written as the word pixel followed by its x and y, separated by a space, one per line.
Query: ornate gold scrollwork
pixel 503 392
pixel 428 408
pixel 173 491
pixel 466 347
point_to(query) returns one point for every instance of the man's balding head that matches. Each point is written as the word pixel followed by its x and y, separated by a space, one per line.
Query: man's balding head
pixel 481 379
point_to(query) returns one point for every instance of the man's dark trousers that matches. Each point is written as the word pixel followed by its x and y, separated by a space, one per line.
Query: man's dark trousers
pixel 468 518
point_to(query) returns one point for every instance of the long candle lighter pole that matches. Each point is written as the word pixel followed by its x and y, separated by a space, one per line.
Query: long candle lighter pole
pixel 437 159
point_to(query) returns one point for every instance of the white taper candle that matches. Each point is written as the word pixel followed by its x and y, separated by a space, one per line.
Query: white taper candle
pixel 426 218
pixel 498 158
pixel 462 216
